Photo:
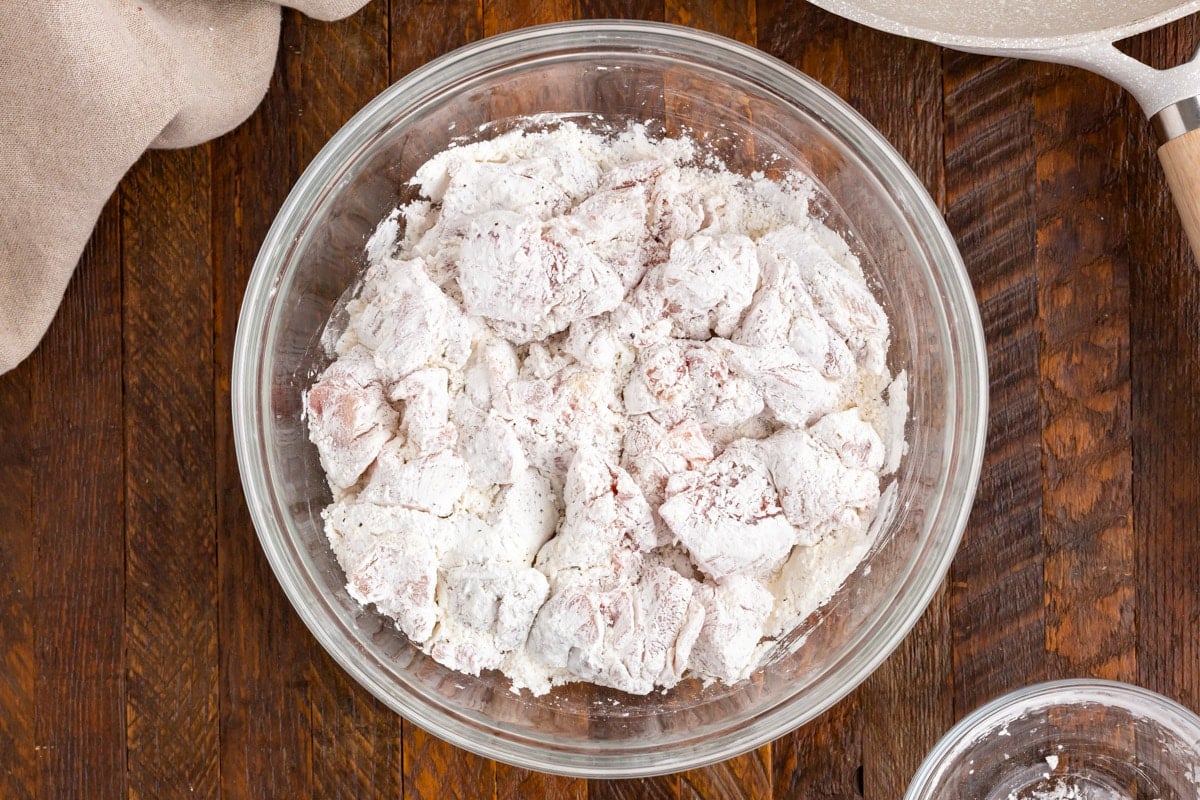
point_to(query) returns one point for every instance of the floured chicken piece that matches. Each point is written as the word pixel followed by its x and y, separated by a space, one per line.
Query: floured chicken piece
pixel 602 411
pixel 606 527
pixel 349 419
pixel 735 613
pixel 728 516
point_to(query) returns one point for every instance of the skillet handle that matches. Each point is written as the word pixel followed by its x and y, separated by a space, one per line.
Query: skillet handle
pixel 1180 159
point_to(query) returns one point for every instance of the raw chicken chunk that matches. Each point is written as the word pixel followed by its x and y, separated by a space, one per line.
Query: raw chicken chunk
pixel 554 416
pixel 426 420
pixel 791 387
pixel 607 522
pixel 523 518
pixel 488 611
pixel 783 314
pixel 856 443
pixel 819 492
pixel 390 560
pixel 407 322
pixel 674 381
pixel 728 516
pixel 735 610
pixel 652 453
pixel 704 286
pixel 676 206
pixel 493 365
pixel 612 224
pixel 631 637
pixel 432 483
pixel 349 419
pixel 532 279
pixel 492 450
pixel 845 303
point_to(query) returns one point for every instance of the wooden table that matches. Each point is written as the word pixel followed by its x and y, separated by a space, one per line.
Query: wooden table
pixel 146 649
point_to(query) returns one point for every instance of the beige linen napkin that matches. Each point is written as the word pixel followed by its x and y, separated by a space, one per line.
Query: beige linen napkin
pixel 85 87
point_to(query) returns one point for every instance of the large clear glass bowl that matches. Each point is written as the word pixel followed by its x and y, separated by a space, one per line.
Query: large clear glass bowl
pixel 758 114
pixel 1073 740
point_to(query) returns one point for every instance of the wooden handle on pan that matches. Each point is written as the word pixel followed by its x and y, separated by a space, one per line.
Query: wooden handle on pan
pixel 1180 158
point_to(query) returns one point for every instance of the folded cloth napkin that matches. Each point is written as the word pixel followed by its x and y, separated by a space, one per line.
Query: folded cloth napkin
pixel 85 87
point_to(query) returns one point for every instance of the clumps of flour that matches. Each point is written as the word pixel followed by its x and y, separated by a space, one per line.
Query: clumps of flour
pixel 600 413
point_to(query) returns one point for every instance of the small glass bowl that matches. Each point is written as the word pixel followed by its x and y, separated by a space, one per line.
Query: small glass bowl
pixel 1067 740
pixel 755 113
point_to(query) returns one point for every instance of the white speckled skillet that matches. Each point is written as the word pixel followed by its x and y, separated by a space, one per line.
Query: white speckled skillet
pixel 1077 32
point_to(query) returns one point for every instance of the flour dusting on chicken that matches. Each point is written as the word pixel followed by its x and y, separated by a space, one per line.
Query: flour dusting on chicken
pixel 603 411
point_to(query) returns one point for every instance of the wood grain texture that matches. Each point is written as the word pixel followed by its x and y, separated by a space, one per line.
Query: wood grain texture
pixel 266 749
pixel 824 758
pixel 652 10
pixel 75 395
pixel 749 775
pixel 811 40
pixel 342 65
pixel 355 739
pixel 1165 374
pixel 500 16
pixel 437 770
pixel 908 703
pixel 170 536
pixel 421 30
pixel 736 19
pixel 356 745
pixel 744 777
pixel 1083 302
pixel 18 774
pixel 997 588
pixel 516 782
pixel 662 787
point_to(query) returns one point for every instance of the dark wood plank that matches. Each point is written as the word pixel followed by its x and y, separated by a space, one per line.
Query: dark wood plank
pixel 748 775
pixel 500 16
pixel 18 775
pixel 170 537
pixel 745 777
pixel 266 749
pixel 1165 374
pixel 997 587
pixel 78 609
pixel 513 782
pixel 422 30
pixel 436 770
pixel 662 787
pixel 621 9
pixel 356 749
pixel 907 704
pixel 1083 297
pixel 811 40
pixel 737 19
pixel 342 65
pixel 823 759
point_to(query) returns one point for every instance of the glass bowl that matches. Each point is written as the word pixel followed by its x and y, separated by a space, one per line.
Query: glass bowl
pixel 1067 740
pixel 757 114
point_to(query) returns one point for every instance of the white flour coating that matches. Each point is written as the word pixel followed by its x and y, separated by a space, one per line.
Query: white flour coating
pixel 601 414
pixel 1065 789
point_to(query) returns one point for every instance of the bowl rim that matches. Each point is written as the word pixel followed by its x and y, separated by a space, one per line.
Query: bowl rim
pixel 969 397
pixel 1039 696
